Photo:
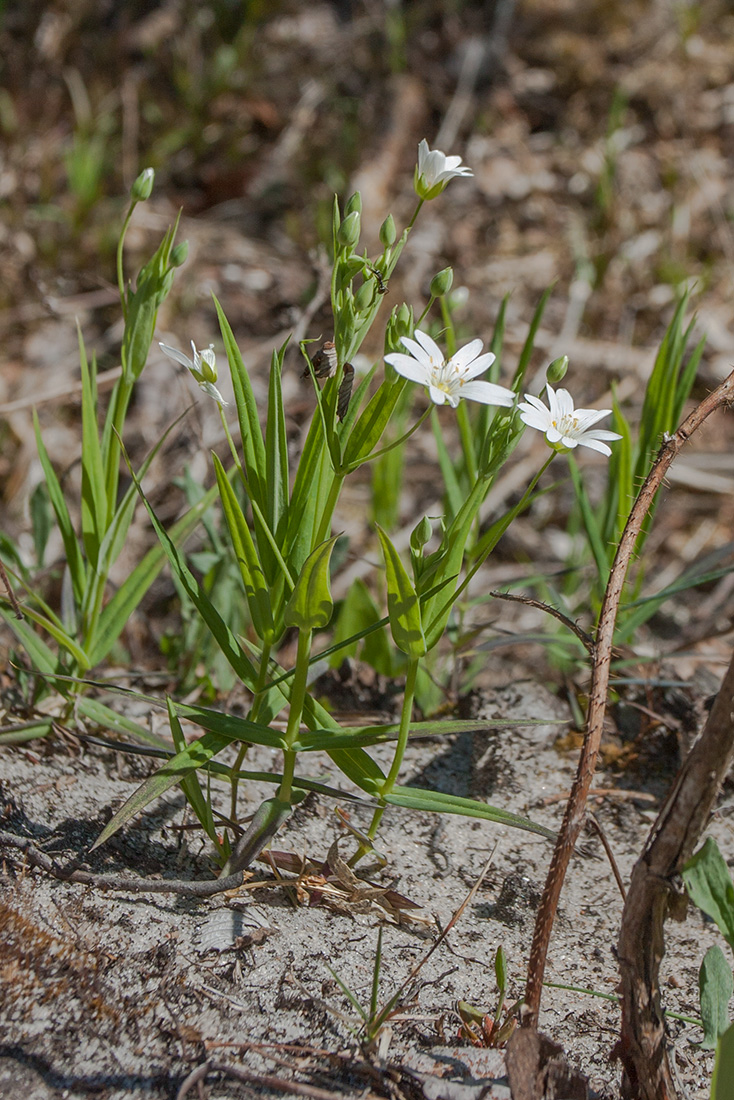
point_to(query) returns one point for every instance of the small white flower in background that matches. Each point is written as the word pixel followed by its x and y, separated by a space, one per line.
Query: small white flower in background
pixel 203 367
pixel 434 170
pixel 563 426
pixel 449 380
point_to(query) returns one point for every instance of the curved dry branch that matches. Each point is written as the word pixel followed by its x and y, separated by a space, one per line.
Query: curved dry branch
pixel 573 818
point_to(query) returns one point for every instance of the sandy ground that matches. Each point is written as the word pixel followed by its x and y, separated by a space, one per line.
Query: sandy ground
pixel 119 995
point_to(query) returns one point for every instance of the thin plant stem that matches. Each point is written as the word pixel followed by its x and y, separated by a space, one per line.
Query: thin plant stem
pixel 395 443
pixel 326 516
pixel 405 716
pixel 298 698
pixel 262 677
pixel 523 503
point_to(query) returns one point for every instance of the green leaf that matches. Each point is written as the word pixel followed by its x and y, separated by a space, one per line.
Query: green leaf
pixel 116 614
pixel 42 656
pixel 359 614
pixel 402 603
pixel 320 739
pixel 709 886
pixel 716 985
pixel 413 798
pixel 74 558
pixel 253 448
pixel 95 506
pixel 224 637
pixel 310 606
pixel 370 425
pixel 230 727
pixel 276 452
pixel 723 1075
pixel 190 784
pixel 194 756
pixel 308 496
pixel 253 578
pixel 109 719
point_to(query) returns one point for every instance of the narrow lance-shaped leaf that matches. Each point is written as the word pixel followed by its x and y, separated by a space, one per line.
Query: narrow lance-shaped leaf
pixel 402 603
pixel 310 606
pixel 253 447
pixel 73 552
pixel 276 452
pixel 256 588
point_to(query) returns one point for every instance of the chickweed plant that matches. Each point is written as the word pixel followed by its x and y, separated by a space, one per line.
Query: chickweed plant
pixel 279 522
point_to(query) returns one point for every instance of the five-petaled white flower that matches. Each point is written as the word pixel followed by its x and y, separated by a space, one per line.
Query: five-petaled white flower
pixel 203 367
pixel 563 426
pixel 449 380
pixel 434 170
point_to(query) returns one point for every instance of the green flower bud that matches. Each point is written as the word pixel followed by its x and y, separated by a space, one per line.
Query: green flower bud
pixel 557 370
pixel 143 186
pixel 388 232
pixel 348 234
pixel 179 254
pixel 420 534
pixel 364 297
pixel 404 320
pixel 441 283
pixel 355 203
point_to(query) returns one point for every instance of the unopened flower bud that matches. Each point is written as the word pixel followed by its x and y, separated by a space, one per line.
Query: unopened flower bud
pixel 441 283
pixel 143 186
pixel 179 254
pixel 557 370
pixel 364 296
pixel 355 203
pixel 388 232
pixel 420 534
pixel 348 234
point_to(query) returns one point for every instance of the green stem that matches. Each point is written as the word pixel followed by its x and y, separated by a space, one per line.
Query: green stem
pixel 262 677
pixel 395 442
pixel 326 516
pixel 519 507
pixel 405 716
pixel 120 271
pixel 448 323
pixel 298 698
pixel 431 300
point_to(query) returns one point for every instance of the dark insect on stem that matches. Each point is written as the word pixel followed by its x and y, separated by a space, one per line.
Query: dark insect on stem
pixel 381 284
pixel 345 391
pixel 324 362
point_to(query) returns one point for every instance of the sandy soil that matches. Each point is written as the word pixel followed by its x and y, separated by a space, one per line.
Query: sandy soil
pixel 121 995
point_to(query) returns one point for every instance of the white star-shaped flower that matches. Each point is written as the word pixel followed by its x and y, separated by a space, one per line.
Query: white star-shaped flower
pixel 563 426
pixel 449 380
pixel 203 367
pixel 434 170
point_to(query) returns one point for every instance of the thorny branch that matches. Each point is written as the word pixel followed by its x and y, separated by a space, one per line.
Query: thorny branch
pixel 573 818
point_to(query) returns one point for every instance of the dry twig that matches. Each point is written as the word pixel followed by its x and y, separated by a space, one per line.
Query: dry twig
pixel 576 807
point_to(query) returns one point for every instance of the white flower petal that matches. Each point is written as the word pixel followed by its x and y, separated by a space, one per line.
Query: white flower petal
pixel 429 345
pixel 466 355
pixel 479 366
pixel 212 391
pixel 438 397
pixel 419 353
pixel 534 419
pixel 174 353
pixel 595 445
pixel 487 393
pixel 409 368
